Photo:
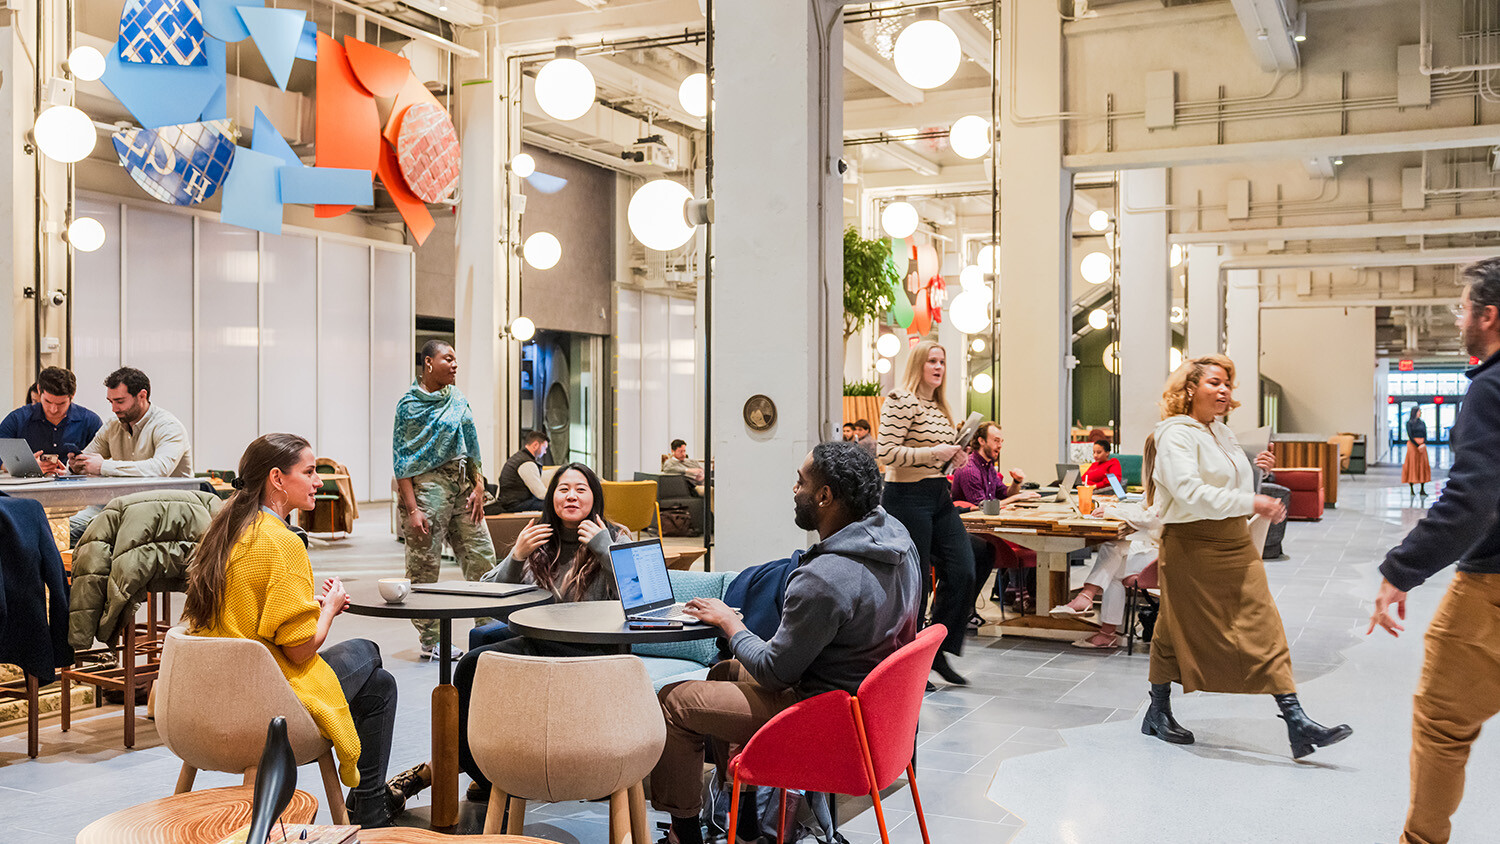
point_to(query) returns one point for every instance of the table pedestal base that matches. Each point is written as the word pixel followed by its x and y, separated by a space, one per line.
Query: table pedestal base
pixel 444 757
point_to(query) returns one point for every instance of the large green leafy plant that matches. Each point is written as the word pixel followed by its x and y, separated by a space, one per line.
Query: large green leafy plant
pixel 869 276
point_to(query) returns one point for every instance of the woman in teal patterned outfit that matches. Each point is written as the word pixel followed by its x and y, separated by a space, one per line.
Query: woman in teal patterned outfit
pixel 438 474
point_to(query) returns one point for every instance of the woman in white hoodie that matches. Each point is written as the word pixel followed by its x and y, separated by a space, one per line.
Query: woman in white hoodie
pixel 1219 629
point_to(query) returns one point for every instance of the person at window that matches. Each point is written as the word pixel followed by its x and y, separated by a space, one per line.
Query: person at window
pixel 142 441
pixel 1416 469
pixel 55 426
pixel 678 463
pixel 1097 474
pixel 439 479
pixel 917 441
pixel 250 578
pixel 566 552
pixel 862 436
pixel 1460 689
pixel 980 480
pixel 1219 629
pixel 519 489
pixel 848 432
pixel 851 602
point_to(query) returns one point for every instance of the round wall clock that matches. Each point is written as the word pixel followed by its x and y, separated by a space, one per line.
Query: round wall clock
pixel 760 413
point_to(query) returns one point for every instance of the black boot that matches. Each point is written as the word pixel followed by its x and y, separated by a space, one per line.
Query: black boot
pixel 944 670
pixel 1159 721
pixel 1304 733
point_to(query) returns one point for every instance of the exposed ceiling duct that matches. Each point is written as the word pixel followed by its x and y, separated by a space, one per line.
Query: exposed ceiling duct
pixel 1273 28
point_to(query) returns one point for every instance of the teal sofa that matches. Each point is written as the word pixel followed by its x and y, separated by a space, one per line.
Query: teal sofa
pixel 672 662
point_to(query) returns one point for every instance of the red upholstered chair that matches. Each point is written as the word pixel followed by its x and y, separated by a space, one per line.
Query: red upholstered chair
pixel 1306 485
pixel 842 744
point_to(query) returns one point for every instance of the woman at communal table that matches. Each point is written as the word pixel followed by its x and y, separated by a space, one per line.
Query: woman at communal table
pixel 438 475
pixel 250 578
pixel 1416 469
pixel 1219 630
pixel 567 554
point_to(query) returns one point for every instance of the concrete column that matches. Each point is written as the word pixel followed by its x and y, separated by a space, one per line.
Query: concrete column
pixel 1035 194
pixel 779 203
pixel 487 279
pixel 1242 332
pixel 1145 305
pixel 1205 300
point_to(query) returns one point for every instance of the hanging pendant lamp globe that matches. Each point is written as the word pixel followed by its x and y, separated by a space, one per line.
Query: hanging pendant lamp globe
pixel 657 215
pixel 85 234
pixel 969 137
pixel 1096 267
pixel 988 260
pixel 86 63
pixel 523 165
pixel 542 250
pixel 889 345
pixel 983 383
pixel 899 219
pixel 565 87
pixel 692 94
pixel 927 51
pixel 971 277
pixel 882 366
pixel 63 133
pixel 522 328
pixel 1098 319
pixel 970 311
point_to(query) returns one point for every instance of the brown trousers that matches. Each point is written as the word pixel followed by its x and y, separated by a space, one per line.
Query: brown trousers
pixel 727 709
pixel 1458 692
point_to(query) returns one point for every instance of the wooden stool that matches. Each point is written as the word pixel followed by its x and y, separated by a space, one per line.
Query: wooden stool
pixel 194 817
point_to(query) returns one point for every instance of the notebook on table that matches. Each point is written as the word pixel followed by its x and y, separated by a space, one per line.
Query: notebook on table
pixel 473 587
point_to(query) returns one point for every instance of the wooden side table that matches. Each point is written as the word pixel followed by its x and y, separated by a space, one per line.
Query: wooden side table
pixel 194 817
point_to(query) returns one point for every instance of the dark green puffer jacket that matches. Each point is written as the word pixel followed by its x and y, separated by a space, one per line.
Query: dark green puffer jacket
pixel 138 540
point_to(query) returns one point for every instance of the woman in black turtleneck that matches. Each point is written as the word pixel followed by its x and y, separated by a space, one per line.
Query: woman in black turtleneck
pixel 1416 469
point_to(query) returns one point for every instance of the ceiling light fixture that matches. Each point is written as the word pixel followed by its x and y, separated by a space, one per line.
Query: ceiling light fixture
pixel 85 234
pixel 1096 267
pixel 1099 220
pixel 542 250
pixel 977 345
pixel 1098 319
pixel 663 215
pixel 522 328
pixel 983 383
pixel 564 86
pixel 927 51
pixel 969 137
pixel 63 133
pixel 523 165
pixel 899 219
pixel 970 311
pixel 693 95
pixel 971 277
pixel 882 366
pixel 85 63
pixel 889 345
pixel 988 259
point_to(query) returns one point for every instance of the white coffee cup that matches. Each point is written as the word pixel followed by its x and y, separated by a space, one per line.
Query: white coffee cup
pixel 394 589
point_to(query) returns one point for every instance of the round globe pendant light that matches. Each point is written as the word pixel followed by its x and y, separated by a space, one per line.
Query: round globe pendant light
pixel 1098 319
pixel 882 366
pixel 889 345
pixel 1099 220
pixel 657 215
pixel 86 63
pixel 523 165
pixel 899 219
pixel 1174 358
pixel 542 250
pixel 1096 267
pixel 988 260
pixel 522 328
pixel 971 277
pixel 564 86
pixel 1112 358
pixel 63 133
pixel 970 311
pixel 970 136
pixel 977 345
pixel 1175 255
pixel 692 94
pixel 85 234
pixel 927 51
pixel 983 383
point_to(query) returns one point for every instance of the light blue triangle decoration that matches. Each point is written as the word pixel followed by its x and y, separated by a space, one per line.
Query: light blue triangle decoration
pixel 270 142
pixel 307 48
pixel 276 33
pixel 222 21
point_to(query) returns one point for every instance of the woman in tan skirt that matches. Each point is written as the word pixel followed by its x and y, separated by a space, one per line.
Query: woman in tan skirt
pixel 1416 469
pixel 1219 629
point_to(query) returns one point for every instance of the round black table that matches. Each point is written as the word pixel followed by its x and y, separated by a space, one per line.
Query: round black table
pixel 596 623
pixel 364 599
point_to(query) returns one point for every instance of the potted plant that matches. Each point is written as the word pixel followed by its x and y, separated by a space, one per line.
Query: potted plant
pixel 869 277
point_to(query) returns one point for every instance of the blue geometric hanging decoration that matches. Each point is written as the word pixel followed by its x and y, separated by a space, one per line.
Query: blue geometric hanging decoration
pixel 168 95
pixel 162 32
pixel 179 165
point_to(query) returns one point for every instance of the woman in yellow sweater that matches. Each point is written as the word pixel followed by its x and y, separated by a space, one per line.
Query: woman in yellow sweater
pixel 916 441
pixel 250 578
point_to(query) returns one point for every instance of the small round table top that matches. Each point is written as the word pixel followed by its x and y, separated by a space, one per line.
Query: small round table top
pixel 364 599
pixel 413 835
pixel 194 817
pixel 596 623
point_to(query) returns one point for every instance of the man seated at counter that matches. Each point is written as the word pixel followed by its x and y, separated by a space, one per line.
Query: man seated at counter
pixel 142 441
pixel 519 489
pixel 851 603
pixel 54 426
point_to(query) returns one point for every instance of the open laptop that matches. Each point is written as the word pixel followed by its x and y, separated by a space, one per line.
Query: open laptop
pixel 473 587
pixel 1069 478
pixel 1119 489
pixel 21 463
pixel 641 578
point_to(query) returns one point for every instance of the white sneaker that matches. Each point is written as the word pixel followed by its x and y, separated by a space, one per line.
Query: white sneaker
pixel 433 652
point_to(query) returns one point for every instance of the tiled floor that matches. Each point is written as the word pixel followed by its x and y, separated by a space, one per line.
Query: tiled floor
pixel 1043 746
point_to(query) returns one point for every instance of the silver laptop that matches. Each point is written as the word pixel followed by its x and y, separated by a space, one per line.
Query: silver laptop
pixel 641 578
pixel 20 462
pixel 1114 484
pixel 1060 492
pixel 473 588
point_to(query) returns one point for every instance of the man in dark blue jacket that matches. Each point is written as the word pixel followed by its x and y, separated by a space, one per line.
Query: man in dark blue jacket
pixel 55 426
pixel 1460 685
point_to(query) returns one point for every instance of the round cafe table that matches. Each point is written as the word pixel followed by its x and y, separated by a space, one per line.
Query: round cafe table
pixel 364 599
pixel 193 817
pixel 597 623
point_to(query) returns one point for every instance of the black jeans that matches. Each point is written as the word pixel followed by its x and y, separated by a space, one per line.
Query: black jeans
pixel 526 506
pixel 371 692
pixel 926 509
pixel 463 679
pixel 984 563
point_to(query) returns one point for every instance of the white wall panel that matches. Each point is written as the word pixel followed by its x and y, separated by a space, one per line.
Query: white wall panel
pixel 96 308
pixel 228 399
pixel 289 335
pixel 656 370
pixel 627 383
pixel 344 360
pixel 159 307
pixel 682 379
pixel 392 361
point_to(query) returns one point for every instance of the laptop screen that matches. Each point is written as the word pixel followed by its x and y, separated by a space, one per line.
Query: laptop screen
pixel 641 575
pixel 1114 484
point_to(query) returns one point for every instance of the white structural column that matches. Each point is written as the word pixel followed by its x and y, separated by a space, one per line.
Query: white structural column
pixel 1242 333
pixel 777 290
pixel 486 262
pixel 1034 239
pixel 1145 305
pixel 1205 300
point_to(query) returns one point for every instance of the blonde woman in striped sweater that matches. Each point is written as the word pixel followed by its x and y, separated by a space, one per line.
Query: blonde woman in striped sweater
pixel 916 441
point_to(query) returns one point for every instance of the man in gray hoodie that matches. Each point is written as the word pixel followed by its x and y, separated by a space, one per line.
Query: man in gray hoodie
pixel 851 603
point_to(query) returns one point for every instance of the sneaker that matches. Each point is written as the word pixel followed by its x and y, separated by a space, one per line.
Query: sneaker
pixel 433 652
pixel 411 781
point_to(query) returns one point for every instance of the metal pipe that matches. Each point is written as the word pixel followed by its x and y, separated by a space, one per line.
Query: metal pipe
pixel 68 218
pixel 708 296
pixel 403 28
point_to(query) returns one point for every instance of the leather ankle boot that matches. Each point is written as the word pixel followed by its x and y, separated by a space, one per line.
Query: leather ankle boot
pixel 946 671
pixel 1159 721
pixel 1304 733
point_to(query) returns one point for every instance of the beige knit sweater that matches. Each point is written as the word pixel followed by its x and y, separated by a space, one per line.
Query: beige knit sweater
pixel 910 427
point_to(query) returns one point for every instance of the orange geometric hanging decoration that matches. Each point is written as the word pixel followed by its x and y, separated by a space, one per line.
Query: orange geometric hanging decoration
pixel 381 72
pixel 428 152
pixel 411 93
pixel 413 209
pixel 348 122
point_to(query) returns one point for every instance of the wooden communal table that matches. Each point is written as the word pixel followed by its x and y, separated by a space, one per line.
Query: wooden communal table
pixel 1052 530
pixel 193 817
pixel 71 493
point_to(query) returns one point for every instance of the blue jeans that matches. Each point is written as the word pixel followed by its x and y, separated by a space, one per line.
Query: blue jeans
pixel 371 692
pixel 488 634
pixel 926 509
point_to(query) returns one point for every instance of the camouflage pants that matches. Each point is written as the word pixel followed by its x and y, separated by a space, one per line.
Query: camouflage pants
pixel 442 495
